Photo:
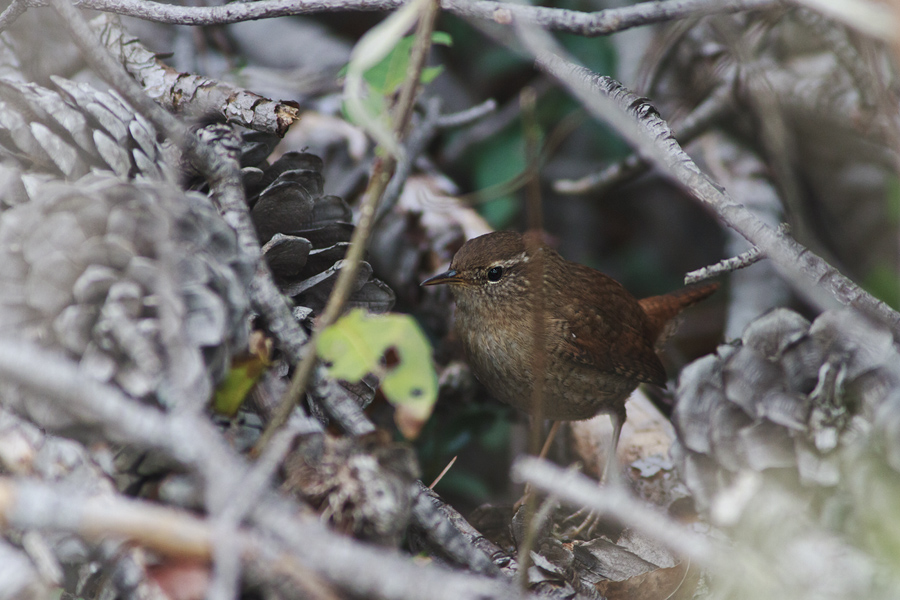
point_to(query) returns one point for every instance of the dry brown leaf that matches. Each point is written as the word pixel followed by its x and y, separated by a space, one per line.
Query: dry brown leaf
pixel 670 583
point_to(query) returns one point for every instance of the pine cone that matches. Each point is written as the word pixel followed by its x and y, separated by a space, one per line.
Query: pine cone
pixel 361 486
pixel 782 401
pixel 92 267
pixel 304 232
pixel 76 129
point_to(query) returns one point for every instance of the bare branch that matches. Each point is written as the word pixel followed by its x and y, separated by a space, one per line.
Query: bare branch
pixel 728 265
pixel 579 490
pixel 340 405
pixel 168 531
pixel 710 110
pixel 12 12
pixel 639 122
pixel 603 22
pixel 193 95
pixel 365 571
pixel 447 530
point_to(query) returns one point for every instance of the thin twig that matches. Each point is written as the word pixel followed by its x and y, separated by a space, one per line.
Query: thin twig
pixel 728 265
pixel 377 184
pixel 500 120
pixel 468 116
pixel 580 490
pixel 442 473
pixel 710 110
pixel 12 12
pixel 537 518
pixel 535 273
pixel 418 141
pixel 231 510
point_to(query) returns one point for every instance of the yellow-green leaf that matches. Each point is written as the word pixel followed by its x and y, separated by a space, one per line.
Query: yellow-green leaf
pixel 356 345
pixel 243 375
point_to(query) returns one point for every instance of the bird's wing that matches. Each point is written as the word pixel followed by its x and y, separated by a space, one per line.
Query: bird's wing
pixel 603 326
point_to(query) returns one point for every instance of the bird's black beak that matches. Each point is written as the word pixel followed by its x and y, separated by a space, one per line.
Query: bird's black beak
pixel 450 276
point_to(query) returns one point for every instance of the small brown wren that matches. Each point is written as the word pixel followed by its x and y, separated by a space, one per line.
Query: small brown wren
pixel 600 340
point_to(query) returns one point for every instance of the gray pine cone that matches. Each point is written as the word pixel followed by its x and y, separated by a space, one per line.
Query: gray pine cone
pixel 304 232
pixel 75 129
pixel 783 401
pixel 93 268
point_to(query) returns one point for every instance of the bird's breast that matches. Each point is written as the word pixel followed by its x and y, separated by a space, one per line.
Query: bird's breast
pixel 502 357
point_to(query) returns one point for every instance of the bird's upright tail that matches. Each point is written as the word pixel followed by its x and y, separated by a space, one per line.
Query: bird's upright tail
pixel 661 310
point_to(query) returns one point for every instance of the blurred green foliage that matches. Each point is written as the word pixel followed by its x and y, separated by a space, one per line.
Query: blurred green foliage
pixel 386 77
pixel 883 282
pixel 493 165
pixel 482 428
pixel 892 199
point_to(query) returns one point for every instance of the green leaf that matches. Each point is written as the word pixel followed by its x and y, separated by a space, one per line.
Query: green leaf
pixel 374 104
pixel 430 73
pixel 357 345
pixel 388 74
pixel 243 375
pixel 441 38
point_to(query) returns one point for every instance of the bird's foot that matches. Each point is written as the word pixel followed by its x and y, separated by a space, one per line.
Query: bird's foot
pixel 583 524
pixel 587 524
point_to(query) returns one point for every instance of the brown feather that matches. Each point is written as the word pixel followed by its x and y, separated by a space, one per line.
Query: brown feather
pixel 662 309
pixel 602 317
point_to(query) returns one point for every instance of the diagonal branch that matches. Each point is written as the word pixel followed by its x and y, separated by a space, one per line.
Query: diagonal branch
pixel 579 490
pixel 641 125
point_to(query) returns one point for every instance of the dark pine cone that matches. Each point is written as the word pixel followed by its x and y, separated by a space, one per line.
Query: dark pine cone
pixel 304 232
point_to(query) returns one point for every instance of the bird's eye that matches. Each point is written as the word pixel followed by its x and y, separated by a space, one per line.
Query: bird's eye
pixel 494 274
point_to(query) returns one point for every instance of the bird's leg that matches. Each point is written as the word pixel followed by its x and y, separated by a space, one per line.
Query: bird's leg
pixel 545 449
pixel 611 476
